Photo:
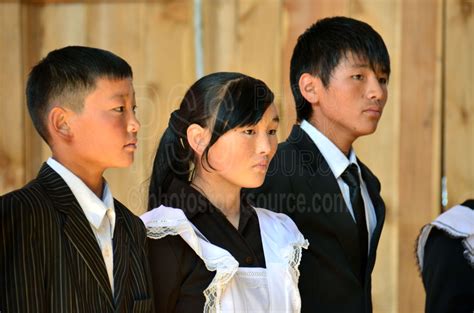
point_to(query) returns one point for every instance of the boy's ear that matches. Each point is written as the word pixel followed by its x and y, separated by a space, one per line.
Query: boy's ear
pixel 309 87
pixel 58 122
pixel 198 138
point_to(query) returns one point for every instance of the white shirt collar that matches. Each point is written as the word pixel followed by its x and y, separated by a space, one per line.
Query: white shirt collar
pixel 93 207
pixel 336 159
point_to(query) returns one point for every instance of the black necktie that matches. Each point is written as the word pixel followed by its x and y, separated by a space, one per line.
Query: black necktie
pixel 351 178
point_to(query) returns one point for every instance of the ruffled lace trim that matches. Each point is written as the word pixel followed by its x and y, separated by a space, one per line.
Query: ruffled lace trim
pixel 294 257
pixel 158 232
pixel 214 291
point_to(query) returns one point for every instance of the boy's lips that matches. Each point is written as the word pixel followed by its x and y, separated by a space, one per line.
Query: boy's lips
pixel 131 145
pixel 373 111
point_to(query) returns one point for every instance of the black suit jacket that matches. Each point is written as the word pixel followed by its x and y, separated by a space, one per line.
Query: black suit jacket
pixel 300 183
pixel 50 259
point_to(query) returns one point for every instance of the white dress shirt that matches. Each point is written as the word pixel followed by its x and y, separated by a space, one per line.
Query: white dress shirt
pixel 99 212
pixel 338 162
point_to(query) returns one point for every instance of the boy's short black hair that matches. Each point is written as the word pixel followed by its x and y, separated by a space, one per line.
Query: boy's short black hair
pixel 65 77
pixel 320 49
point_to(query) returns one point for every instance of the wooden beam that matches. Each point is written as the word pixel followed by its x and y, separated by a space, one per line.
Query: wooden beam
pixel 459 101
pixel 298 15
pixel 157 41
pixel 420 138
pixel 380 152
pixel 12 166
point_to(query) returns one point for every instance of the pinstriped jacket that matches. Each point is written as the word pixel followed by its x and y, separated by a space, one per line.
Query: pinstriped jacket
pixel 50 260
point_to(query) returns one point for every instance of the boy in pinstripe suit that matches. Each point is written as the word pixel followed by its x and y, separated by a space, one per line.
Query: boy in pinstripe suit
pixel 66 244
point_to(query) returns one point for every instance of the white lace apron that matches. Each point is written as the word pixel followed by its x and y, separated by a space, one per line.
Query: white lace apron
pixel 237 289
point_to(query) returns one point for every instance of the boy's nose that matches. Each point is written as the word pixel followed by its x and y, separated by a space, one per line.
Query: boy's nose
pixel 377 91
pixel 133 124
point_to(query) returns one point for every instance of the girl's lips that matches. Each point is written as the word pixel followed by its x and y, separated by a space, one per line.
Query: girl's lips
pixel 261 166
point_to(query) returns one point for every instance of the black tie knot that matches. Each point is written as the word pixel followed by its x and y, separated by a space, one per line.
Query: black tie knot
pixel 351 176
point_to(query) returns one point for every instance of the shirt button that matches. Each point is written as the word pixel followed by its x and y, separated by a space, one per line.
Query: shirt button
pixel 249 260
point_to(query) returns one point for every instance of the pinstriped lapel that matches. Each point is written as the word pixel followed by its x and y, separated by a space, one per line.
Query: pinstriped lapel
pixel 77 228
pixel 121 243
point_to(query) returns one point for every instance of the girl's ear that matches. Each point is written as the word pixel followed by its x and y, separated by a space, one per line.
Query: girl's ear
pixel 198 138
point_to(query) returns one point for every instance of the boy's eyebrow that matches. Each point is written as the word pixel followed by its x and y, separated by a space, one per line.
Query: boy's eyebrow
pixel 121 95
pixel 276 119
pixel 359 65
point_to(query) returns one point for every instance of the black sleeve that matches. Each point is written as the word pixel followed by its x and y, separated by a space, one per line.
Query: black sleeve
pixel 447 275
pixel 179 276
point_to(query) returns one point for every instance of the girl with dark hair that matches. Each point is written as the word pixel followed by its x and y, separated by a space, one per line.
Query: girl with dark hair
pixel 209 249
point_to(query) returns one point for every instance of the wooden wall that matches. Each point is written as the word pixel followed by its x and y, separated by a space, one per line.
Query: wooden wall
pixel 427 130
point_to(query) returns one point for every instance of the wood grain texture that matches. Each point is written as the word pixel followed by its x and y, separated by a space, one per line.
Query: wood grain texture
pixel 427 124
pixel 297 16
pixel 244 36
pixel 420 137
pixel 12 165
pixel 155 38
pixel 458 101
pixel 380 153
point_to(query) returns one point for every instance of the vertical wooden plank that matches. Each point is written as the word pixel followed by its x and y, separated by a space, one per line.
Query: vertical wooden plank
pixel 380 151
pixel 45 28
pixel 31 35
pixel 157 40
pixel 384 16
pixel 123 35
pixel 297 16
pixel 244 36
pixel 259 40
pixel 168 71
pixel 459 97
pixel 220 42
pixel 420 109
pixel 12 168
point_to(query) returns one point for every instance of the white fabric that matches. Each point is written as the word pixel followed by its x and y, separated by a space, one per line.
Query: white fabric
pixel 99 212
pixel 338 162
pixel 457 222
pixel 234 289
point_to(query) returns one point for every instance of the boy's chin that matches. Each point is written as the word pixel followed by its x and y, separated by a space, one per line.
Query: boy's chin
pixel 123 164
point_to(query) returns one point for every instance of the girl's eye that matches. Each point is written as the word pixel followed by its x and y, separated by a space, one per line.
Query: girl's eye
pixel 119 109
pixel 272 132
pixel 357 77
pixel 383 80
pixel 249 132
pixel 135 109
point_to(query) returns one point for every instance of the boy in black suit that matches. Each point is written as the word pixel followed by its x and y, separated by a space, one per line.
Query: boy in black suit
pixel 339 74
pixel 66 244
